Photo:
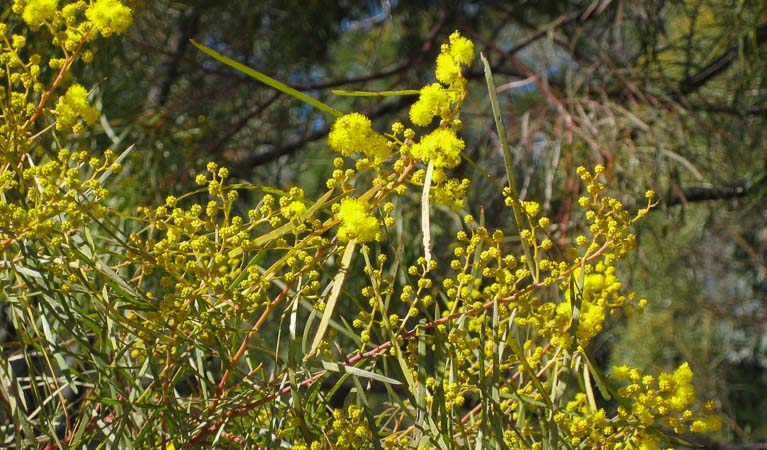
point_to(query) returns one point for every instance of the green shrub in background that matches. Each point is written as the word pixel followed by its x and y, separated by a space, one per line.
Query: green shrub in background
pixel 299 323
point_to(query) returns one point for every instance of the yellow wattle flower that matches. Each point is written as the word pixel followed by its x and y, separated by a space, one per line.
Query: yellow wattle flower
pixel 73 105
pixel 356 221
pixel 461 49
pixel 441 147
pixel 37 12
pixel 109 17
pixel 433 100
pixel 354 133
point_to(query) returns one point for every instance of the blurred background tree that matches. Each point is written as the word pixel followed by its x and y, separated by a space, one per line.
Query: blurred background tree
pixel 667 95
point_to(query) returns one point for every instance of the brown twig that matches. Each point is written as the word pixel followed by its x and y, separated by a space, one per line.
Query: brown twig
pixel 57 81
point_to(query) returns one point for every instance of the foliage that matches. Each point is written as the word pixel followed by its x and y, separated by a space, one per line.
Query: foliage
pixel 666 95
pixel 194 324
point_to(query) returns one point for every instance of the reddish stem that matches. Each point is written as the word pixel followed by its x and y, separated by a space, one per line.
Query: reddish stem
pixel 57 81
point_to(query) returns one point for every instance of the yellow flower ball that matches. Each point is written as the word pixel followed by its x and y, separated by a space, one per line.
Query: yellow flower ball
pixel 356 221
pixel 353 133
pixel 109 17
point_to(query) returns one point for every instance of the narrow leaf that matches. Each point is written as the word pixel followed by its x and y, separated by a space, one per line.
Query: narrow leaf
pixel 338 283
pixel 375 94
pixel 425 223
pixel 604 386
pixel 357 372
pixel 269 81
pixel 589 389
pixel 507 158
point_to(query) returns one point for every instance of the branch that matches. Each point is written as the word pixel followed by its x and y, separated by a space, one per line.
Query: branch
pixel 224 137
pixel 719 65
pixel 740 112
pixel 185 29
pixel 276 151
pixel 544 30
pixel 704 194
pixel 58 80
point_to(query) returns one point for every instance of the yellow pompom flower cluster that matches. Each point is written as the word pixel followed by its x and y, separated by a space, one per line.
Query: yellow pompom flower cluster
pixel 105 17
pixel 294 210
pixel 199 257
pixel 644 403
pixel 594 281
pixel 449 191
pixel 68 26
pixel 459 52
pixel 600 292
pixel 350 430
pixel 36 12
pixel 436 99
pixel 72 106
pixel 356 221
pixel 16 101
pixel 354 133
pixel 666 399
pixel 441 147
pixel 109 17
pixel 59 201
pixel 587 427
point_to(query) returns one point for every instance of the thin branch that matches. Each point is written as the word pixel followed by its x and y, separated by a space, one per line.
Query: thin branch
pixel 59 78
pixel 732 110
pixel 185 29
pixel 705 193
pixel 224 137
pixel 276 151
pixel 719 65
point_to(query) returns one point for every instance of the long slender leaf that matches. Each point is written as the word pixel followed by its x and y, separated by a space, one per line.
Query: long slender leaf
pixel 507 158
pixel 375 94
pixel 338 283
pixel 269 81
pixel 357 372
